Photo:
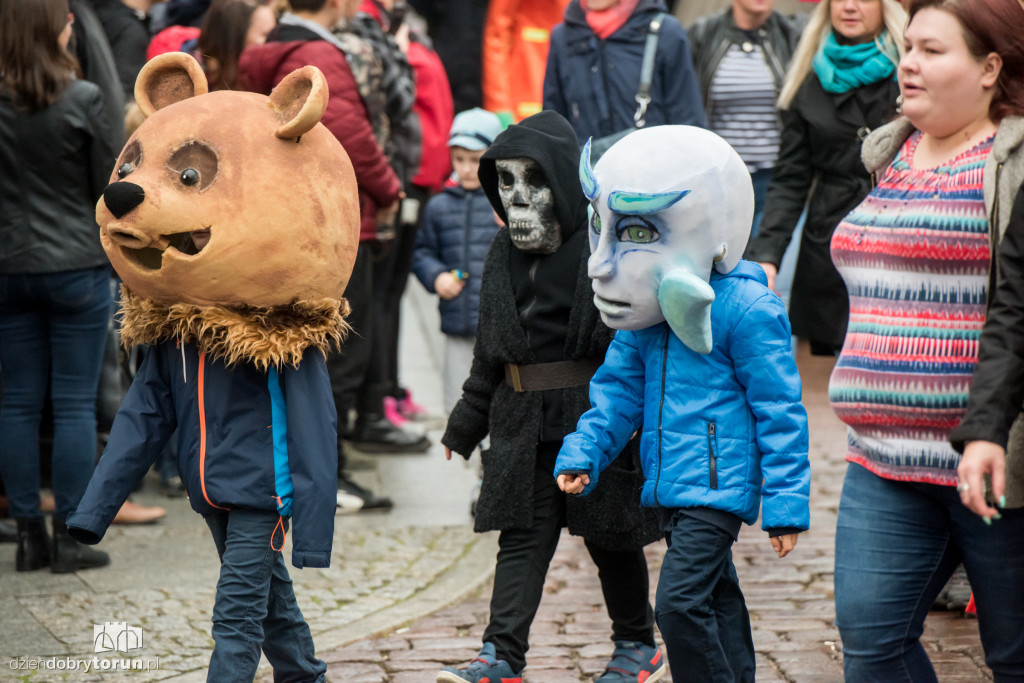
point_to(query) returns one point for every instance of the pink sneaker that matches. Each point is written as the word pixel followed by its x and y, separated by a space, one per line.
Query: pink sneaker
pixel 409 409
pixel 393 412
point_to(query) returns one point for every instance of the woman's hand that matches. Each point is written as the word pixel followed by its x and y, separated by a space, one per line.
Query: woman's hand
pixel 981 458
pixel 772 272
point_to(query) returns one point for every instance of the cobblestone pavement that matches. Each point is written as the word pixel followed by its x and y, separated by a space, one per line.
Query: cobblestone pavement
pixel 790 601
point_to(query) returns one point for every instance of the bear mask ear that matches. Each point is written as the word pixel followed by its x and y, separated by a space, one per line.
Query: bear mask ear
pixel 166 79
pixel 299 100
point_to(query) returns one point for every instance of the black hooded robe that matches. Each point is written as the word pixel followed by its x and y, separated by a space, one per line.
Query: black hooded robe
pixel 523 299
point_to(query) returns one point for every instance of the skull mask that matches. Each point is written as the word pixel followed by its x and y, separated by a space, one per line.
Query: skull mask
pixel 529 205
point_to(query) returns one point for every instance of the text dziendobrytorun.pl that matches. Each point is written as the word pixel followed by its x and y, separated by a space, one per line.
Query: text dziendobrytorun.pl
pixel 87 665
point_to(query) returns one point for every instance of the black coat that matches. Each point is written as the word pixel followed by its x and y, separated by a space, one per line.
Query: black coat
pixel 510 332
pixel 820 149
pixel 997 388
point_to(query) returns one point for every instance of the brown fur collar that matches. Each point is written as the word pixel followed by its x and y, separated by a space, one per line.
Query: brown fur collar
pixel 265 337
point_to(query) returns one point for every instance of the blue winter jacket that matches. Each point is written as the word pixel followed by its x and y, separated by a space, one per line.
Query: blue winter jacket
pixel 593 82
pixel 246 439
pixel 456 232
pixel 719 430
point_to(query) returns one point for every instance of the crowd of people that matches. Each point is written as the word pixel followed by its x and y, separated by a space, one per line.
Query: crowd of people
pixel 883 139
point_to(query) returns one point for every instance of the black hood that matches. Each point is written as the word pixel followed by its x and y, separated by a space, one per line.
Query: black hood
pixel 548 139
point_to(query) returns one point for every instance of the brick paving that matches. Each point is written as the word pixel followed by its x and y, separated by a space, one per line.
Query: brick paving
pixel 790 601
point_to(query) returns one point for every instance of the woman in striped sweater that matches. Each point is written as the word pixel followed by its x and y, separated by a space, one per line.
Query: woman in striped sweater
pixel 916 256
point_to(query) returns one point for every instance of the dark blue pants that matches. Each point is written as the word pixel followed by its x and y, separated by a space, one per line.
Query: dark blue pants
pixel 700 608
pixel 897 543
pixel 255 607
pixel 52 329
pixel 760 180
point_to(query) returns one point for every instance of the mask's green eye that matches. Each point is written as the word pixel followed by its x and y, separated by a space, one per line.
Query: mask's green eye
pixel 639 234
pixel 595 223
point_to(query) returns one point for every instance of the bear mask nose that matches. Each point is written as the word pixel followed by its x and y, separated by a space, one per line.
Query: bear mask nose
pixel 122 197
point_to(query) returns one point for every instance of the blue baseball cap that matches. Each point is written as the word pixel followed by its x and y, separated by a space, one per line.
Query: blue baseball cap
pixel 474 129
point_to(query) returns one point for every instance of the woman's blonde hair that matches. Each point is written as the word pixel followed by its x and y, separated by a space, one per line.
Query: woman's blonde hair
pixel 894 19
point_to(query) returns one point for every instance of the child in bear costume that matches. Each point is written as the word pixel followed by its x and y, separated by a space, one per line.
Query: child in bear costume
pixel 233 220
pixel 702 366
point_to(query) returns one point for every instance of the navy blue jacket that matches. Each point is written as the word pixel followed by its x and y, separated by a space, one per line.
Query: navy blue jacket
pixel 246 439
pixel 593 82
pixel 456 232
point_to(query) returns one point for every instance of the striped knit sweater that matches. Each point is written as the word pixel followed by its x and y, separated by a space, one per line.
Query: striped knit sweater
pixel 915 259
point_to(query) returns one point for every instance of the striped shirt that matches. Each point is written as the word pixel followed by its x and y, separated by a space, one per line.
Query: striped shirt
pixel 915 259
pixel 743 108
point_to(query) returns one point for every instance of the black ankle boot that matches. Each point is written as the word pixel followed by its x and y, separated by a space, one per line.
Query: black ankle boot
pixel 33 545
pixel 68 555
pixel 376 434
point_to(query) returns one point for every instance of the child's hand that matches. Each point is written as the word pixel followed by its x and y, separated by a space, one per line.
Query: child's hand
pixel 448 286
pixel 447 453
pixel 783 544
pixel 573 483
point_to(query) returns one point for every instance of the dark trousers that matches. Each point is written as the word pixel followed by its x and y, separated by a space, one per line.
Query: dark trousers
pixel 52 329
pixel 523 559
pixel 700 608
pixel 390 276
pixel 255 607
pixel 348 367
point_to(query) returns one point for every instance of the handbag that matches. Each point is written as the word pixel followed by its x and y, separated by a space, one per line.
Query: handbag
pixel 643 93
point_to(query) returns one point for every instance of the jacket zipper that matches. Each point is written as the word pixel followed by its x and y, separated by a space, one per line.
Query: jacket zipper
pixel 712 457
pixel 661 408
pixel 201 389
pixel 465 260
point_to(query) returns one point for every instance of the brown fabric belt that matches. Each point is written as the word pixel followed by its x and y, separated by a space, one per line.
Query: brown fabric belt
pixel 560 374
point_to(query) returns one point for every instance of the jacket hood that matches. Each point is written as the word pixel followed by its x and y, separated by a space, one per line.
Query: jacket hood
pixel 744 269
pixel 263 336
pixel 548 139
pixel 575 16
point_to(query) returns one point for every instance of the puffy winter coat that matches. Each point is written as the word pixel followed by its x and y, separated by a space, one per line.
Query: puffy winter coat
pixel 457 230
pixel 290 47
pixel 719 430
pixel 593 82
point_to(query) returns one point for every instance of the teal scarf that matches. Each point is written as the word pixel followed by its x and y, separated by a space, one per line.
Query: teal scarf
pixel 841 68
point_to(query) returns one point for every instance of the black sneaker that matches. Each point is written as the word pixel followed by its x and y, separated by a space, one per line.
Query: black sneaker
pixel 354 498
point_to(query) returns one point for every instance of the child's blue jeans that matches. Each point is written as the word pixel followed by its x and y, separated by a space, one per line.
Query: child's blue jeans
pixel 255 607
pixel 700 608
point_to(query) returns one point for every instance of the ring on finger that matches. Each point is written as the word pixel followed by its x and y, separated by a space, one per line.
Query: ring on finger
pixel 963 487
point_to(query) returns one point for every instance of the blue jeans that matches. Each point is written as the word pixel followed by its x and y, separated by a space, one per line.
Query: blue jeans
pixel 52 329
pixel 897 543
pixel 761 180
pixel 255 607
pixel 700 608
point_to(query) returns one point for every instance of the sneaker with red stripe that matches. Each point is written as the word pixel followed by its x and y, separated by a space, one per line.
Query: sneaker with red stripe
pixel 486 668
pixel 634 662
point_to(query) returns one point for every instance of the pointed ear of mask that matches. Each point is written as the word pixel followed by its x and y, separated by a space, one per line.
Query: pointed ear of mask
pixel 587 179
pixel 166 79
pixel 686 304
pixel 300 101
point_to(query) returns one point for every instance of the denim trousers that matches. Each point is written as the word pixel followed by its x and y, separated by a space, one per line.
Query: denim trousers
pixel 700 608
pixel 523 559
pixel 52 331
pixel 255 607
pixel 897 543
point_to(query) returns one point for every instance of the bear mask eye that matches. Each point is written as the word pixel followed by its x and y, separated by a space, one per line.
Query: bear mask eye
pixel 195 164
pixel 130 160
